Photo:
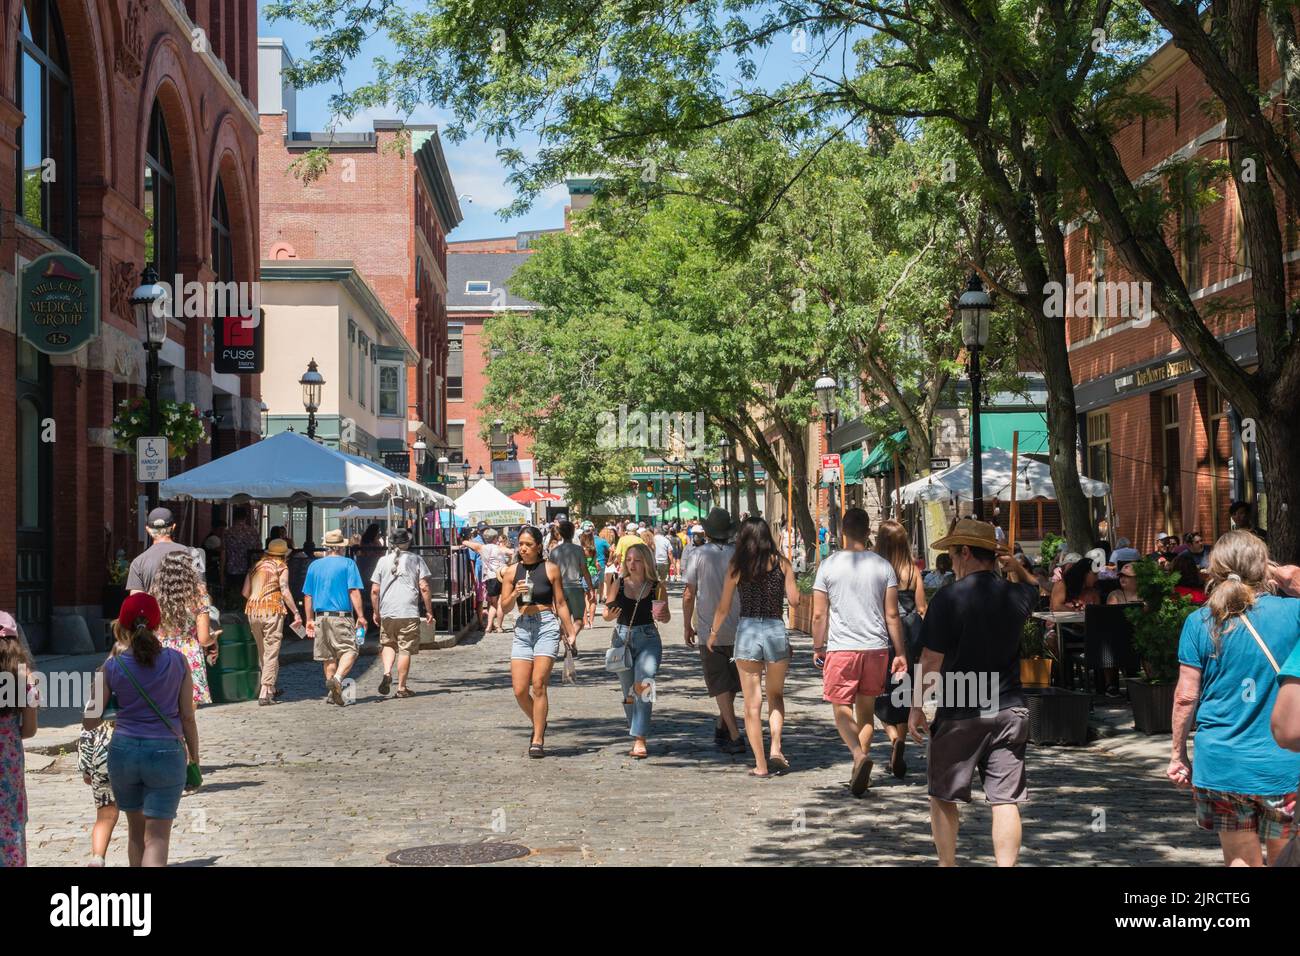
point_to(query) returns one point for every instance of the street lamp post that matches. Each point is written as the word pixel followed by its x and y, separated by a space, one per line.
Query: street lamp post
pixel 152 316
pixel 312 382
pixel 724 451
pixel 975 306
pixel 464 467
pixel 825 388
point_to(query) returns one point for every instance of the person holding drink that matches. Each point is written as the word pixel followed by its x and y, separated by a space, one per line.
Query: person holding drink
pixel 637 600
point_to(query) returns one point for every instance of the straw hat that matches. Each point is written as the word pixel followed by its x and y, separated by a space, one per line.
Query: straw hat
pixel 335 539
pixel 973 534
pixel 277 547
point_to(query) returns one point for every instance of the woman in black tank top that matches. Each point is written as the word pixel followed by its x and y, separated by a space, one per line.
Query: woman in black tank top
pixel 543 620
pixel 760 577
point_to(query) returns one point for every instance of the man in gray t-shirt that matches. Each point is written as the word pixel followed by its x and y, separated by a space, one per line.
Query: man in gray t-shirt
pixel 160 526
pixel 705 574
pixel 399 584
pixel 856 630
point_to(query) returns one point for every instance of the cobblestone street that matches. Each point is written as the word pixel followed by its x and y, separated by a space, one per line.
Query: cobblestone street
pixel 309 784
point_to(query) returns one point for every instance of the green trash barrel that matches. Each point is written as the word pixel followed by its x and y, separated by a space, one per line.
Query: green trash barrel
pixel 237 673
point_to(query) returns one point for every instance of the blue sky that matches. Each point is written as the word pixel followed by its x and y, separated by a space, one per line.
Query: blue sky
pixel 475 170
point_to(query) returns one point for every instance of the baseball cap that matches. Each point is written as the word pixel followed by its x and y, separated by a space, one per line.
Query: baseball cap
pixel 697 529
pixel 137 606
pixel 161 518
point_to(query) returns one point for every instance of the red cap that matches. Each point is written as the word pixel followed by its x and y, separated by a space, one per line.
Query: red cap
pixel 137 606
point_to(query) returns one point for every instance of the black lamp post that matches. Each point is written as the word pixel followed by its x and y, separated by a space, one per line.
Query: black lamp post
pixel 825 388
pixel 464 467
pixel 724 451
pixel 312 382
pixel 150 303
pixel 974 307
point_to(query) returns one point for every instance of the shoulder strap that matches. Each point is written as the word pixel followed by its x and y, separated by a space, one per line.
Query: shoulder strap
pixel 147 699
pixel 1260 641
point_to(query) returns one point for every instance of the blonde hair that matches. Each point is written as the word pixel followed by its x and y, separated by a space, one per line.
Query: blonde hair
pixel 647 558
pixel 1238 573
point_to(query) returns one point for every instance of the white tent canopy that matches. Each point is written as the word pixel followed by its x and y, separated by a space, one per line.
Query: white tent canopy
pixel 291 468
pixel 484 502
pixel 1033 480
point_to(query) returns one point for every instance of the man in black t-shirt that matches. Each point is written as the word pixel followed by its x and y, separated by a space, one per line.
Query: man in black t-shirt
pixel 970 639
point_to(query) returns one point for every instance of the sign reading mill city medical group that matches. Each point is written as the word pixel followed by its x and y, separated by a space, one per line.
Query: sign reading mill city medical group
pixel 58 303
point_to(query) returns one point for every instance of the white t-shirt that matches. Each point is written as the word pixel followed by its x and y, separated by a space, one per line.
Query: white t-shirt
pixel 707 573
pixel 855 583
pixel 663 549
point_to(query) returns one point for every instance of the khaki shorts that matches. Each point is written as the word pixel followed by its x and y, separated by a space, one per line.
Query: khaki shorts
pixel 402 633
pixel 335 636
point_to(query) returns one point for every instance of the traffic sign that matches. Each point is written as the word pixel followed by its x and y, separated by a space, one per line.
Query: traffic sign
pixel 938 464
pixel 830 462
pixel 151 459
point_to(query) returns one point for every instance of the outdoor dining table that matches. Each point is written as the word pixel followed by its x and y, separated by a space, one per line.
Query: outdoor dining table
pixel 1060 617
pixel 1072 620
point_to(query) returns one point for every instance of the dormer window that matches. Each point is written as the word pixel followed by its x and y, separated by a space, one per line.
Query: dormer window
pixel 480 286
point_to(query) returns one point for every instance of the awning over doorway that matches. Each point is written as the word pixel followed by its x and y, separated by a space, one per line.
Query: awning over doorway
pixel 881 460
pixel 996 429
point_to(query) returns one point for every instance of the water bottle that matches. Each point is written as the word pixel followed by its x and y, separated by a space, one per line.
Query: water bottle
pixel 361 636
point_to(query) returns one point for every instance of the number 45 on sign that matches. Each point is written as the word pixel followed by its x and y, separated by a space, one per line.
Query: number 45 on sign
pixel 151 459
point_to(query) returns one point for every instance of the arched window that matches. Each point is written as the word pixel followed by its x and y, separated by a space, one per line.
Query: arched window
pixel 160 238
pixel 223 253
pixel 47 168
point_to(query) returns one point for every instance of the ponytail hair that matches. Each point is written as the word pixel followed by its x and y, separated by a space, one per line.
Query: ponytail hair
pixel 142 642
pixel 1238 573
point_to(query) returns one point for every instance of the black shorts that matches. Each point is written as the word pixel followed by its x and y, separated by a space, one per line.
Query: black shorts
pixel 493 587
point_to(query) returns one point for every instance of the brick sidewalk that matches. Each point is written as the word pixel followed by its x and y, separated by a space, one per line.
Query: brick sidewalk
pixel 309 784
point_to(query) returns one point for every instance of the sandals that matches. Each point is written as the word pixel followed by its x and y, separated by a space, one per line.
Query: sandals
pixel 404 693
pixel 536 751
pixel 638 754
pixel 385 685
pixel 266 701
pixel 777 764
pixel 861 779
pixel 753 772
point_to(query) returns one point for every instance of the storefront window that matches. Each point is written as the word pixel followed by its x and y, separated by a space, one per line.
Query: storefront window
pixel 47 169
pixel 223 251
pixel 1171 462
pixel 1099 458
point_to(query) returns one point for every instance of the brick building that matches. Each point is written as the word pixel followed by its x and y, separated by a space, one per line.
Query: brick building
pixel 1150 422
pixel 384 207
pixel 135 140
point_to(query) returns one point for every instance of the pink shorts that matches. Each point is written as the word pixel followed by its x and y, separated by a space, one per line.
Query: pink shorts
pixel 848 675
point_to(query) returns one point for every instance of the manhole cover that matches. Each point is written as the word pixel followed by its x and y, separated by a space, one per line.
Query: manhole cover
pixel 457 854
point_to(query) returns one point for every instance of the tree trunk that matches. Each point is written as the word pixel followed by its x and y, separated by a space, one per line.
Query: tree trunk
pixel 1278 434
pixel 751 493
pixel 733 484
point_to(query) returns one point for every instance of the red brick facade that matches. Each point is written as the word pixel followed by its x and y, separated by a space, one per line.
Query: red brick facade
pixel 375 206
pixel 122 57
pixel 1134 381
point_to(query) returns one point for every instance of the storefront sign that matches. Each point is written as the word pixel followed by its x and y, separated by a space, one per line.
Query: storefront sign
pixel 58 303
pixel 239 349
pixel 1154 375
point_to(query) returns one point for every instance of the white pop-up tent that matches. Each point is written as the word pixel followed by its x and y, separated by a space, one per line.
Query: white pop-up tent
pixel 484 502
pixel 1033 480
pixel 289 468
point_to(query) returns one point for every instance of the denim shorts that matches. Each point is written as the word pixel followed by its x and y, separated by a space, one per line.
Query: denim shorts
pixel 536 635
pixel 761 639
pixel 147 774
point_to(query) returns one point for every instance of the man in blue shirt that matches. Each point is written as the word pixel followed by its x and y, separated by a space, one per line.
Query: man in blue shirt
pixel 332 593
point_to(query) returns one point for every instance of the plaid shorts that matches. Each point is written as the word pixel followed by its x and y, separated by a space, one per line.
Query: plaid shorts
pixel 1273 817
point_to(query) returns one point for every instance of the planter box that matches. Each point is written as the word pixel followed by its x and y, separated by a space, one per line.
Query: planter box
pixel 1153 706
pixel 1058 716
pixel 1036 672
pixel 803 614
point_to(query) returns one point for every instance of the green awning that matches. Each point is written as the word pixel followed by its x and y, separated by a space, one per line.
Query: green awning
pixel 685 511
pixel 851 462
pixel 881 459
pixel 996 429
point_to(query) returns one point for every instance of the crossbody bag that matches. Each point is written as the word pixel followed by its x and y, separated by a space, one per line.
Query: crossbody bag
pixel 619 656
pixel 193 774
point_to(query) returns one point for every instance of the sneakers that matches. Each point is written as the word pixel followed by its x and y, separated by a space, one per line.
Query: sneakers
pixel 385 685
pixel 720 735
pixel 335 692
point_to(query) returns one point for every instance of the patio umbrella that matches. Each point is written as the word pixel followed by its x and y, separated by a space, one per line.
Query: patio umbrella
pixel 1033 480
pixel 529 496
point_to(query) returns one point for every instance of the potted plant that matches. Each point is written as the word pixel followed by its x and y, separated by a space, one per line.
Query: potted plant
pixel 180 423
pixel 1035 656
pixel 803 613
pixel 113 593
pixel 1157 626
pixel 1051 546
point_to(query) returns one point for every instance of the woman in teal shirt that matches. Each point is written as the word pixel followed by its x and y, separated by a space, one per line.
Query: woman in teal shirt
pixel 1230 652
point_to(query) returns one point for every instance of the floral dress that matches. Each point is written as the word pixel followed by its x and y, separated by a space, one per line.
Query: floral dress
pixel 13 788
pixel 187 642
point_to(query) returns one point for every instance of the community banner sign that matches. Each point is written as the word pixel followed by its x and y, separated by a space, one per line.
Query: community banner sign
pixel 58 303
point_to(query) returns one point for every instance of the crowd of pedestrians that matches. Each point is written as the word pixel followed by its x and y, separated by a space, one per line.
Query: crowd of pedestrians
pixel 880 624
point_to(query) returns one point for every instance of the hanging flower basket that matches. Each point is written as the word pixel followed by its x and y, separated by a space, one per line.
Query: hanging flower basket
pixel 180 423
